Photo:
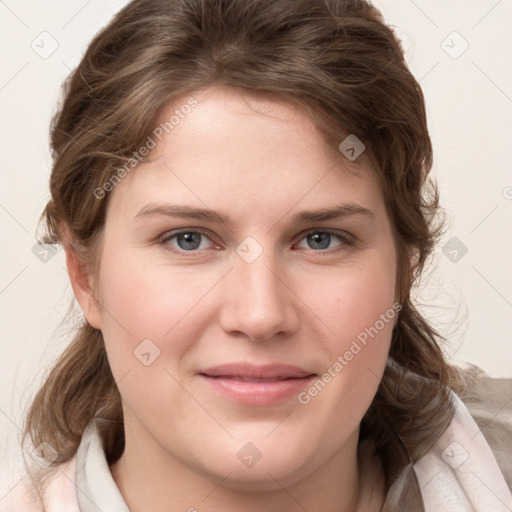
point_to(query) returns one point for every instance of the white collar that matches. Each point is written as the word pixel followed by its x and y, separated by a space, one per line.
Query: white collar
pixel 96 488
pixel 460 471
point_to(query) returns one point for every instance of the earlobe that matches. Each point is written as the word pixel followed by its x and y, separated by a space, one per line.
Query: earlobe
pixel 82 284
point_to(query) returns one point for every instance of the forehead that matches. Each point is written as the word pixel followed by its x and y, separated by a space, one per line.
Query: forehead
pixel 235 150
pixel 225 116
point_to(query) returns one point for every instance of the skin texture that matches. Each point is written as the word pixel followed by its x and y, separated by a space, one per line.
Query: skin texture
pixel 259 162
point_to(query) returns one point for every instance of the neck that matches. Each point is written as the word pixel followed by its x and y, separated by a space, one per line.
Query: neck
pixel 150 479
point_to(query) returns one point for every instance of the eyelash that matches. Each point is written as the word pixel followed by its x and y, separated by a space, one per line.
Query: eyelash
pixel 166 237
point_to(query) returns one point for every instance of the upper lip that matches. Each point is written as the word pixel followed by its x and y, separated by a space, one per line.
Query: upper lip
pixel 260 372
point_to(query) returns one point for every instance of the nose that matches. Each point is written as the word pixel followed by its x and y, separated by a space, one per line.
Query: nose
pixel 258 301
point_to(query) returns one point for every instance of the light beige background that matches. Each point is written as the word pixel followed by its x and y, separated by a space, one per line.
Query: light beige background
pixel 469 99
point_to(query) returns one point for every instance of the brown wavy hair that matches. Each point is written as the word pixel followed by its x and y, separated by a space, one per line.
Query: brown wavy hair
pixel 340 63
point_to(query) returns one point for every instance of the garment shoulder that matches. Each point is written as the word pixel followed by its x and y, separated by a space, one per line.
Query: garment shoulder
pixel 489 401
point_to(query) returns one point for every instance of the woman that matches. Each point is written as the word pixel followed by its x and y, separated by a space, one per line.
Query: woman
pixel 242 192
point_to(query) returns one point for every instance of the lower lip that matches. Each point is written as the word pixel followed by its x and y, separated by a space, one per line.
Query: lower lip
pixel 257 393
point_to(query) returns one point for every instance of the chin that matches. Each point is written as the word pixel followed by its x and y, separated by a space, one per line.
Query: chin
pixel 266 478
pixel 275 467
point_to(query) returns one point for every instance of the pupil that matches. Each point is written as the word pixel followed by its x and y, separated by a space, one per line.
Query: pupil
pixel 188 239
pixel 321 238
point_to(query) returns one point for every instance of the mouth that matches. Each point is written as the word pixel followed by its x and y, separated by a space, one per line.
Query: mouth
pixel 256 385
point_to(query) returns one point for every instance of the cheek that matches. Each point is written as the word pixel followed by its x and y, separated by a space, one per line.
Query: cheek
pixel 150 301
pixel 358 306
pixel 141 302
pixel 144 307
pixel 353 299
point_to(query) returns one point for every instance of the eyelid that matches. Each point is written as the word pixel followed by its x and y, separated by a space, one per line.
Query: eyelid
pixel 173 232
pixel 331 231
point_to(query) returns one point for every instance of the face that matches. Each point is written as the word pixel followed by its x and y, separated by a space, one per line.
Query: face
pixel 249 337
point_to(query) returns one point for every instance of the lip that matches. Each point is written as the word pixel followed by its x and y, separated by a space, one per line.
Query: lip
pixel 256 385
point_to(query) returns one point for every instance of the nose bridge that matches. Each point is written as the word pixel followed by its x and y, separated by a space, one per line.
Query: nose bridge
pixel 257 302
pixel 259 278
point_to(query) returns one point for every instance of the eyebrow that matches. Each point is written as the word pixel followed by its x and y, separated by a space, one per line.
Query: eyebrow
pixel 189 212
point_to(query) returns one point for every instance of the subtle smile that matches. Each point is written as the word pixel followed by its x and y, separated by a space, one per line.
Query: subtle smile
pixel 257 385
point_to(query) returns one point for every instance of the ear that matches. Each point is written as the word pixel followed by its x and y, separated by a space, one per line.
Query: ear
pixel 82 283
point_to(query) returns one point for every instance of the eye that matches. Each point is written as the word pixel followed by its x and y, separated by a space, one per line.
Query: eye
pixel 321 240
pixel 186 240
pixel 192 240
